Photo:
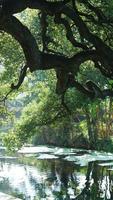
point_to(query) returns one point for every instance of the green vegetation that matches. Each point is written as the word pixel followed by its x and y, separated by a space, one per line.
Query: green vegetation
pixel 67 99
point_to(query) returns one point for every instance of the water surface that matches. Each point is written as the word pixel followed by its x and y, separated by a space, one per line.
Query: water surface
pixel 58 174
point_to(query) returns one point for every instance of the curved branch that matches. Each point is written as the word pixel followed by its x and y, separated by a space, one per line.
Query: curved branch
pixel 44 25
pixel 10 7
pixel 28 43
pixel 98 12
pixel 73 83
pixel 6 96
pixel 50 61
pixel 21 78
pixel 90 89
pixel 38 60
pixel 102 48
pixel 69 33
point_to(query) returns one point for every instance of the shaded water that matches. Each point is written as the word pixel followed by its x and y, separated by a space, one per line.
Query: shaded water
pixel 59 174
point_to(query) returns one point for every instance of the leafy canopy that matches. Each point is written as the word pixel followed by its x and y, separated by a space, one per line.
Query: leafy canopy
pixel 60 35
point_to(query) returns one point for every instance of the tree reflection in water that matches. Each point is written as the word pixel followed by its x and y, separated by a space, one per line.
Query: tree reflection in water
pixel 57 180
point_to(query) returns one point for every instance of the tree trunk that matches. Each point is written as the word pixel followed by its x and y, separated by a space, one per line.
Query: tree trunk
pixel 89 128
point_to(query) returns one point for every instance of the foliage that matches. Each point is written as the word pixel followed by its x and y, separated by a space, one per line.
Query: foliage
pixel 75 46
pixel 105 144
pixel 61 36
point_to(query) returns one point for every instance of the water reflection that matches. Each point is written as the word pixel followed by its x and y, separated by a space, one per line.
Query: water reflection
pixel 56 180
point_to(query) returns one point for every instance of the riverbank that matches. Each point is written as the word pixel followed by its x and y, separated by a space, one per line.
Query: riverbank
pixel 105 144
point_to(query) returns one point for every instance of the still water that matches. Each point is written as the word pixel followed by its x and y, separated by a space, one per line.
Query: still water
pixel 58 174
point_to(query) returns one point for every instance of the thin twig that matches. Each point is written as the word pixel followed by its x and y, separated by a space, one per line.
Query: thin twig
pixel 6 96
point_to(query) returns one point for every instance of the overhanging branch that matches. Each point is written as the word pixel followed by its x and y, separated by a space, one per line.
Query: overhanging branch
pixel 10 7
pixel 101 53
pixel 21 78
pixel 17 30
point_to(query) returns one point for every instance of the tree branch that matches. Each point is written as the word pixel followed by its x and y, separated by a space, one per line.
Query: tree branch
pixel 10 7
pixel 101 53
pixel 6 96
pixel 69 33
pixel 21 78
pixel 28 43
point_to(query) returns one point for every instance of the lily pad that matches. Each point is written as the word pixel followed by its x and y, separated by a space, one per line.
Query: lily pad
pixel 83 160
pixel 35 150
pixel 47 156
pixel 106 164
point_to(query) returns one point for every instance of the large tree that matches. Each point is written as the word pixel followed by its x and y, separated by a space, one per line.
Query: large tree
pixel 87 25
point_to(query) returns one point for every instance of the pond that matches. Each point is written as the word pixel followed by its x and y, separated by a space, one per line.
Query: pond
pixel 57 174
